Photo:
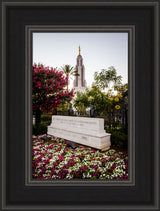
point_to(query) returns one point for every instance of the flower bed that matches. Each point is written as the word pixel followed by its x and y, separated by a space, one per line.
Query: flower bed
pixel 54 160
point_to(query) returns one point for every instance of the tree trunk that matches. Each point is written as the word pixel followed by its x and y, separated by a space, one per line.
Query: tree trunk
pixel 38 116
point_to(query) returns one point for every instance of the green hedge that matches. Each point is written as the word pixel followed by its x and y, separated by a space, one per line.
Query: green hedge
pixel 118 138
pixel 40 129
pixel 46 118
pixel 47 122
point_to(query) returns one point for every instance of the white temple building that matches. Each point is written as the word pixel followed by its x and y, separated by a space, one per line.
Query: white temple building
pixel 79 83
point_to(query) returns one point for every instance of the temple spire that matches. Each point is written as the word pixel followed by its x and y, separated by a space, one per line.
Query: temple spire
pixel 79 50
pixel 79 82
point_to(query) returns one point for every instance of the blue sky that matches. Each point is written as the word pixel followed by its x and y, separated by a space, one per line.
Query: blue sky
pixel 99 51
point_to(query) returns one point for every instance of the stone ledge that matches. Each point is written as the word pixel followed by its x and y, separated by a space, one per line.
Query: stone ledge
pixel 82 130
pixel 95 142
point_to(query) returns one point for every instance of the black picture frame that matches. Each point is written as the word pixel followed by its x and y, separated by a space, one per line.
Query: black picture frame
pixel 143 192
pixel 29 30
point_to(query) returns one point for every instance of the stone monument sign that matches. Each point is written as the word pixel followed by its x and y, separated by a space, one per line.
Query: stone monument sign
pixel 82 130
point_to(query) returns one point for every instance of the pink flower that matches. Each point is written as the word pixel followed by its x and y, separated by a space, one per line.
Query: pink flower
pixel 60 157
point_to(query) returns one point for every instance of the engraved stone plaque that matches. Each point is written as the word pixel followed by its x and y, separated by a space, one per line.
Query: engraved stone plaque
pixel 82 130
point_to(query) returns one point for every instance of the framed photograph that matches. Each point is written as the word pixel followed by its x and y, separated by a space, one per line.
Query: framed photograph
pixel 80 112
pixel 80 105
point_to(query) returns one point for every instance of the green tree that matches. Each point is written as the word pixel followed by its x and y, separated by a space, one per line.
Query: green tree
pixel 124 91
pixel 63 107
pixel 69 71
pixel 93 96
pixel 106 78
pixel 97 98
pixel 81 102
pixel 117 105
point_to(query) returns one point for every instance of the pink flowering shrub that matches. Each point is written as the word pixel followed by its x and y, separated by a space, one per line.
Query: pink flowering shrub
pixel 54 160
pixel 49 89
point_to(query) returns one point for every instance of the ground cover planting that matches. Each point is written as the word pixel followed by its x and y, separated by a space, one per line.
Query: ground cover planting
pixel 53 159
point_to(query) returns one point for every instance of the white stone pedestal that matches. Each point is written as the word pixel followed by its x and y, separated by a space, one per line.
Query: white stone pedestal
pixel 82 130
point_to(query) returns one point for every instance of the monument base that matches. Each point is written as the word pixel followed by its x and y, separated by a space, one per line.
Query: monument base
pixel 81 130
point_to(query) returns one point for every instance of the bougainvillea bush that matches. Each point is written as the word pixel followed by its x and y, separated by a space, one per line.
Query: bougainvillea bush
pixel 55 160
pixel 49 89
